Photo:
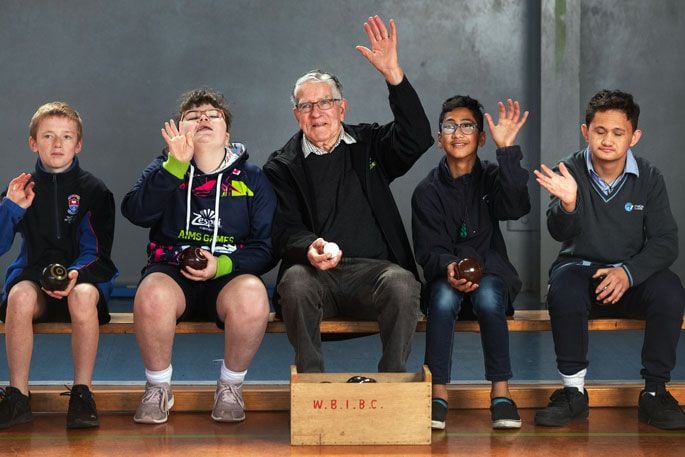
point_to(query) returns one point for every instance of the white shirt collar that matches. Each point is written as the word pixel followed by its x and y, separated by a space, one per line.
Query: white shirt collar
pixel 309 148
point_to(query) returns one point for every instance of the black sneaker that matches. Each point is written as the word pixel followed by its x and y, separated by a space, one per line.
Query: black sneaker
pixel 504 413
pixel 660 410
pixel 82 412
pixel 15 407
pixel 438 413
pixel 564 406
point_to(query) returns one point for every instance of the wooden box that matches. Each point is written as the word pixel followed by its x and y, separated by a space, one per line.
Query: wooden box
pixel 326 409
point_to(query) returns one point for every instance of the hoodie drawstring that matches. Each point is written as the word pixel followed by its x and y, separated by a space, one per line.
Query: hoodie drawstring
pixel 190 191
pixel 216 211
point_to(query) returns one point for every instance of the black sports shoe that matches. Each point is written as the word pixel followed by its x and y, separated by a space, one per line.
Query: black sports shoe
pixel 564 406
pixel 15 407
pixel 504 413
pixel 82 412
pixel 438 413
pixel 660 410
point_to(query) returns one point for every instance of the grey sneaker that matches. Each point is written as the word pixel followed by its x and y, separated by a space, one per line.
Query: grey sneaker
pixel 155 405
pixel 228 403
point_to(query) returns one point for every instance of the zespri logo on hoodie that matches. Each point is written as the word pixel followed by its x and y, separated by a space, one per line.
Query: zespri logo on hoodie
pixel 204 219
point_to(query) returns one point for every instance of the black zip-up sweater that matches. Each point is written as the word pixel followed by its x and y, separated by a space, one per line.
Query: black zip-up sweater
pixel 70 221
pixel 381 154
pixel 480 199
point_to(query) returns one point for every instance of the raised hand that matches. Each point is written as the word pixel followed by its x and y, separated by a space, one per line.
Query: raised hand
pixel 180 143
pixel 563 186
pixel 383 52
pixel 509 123
pixel 20 192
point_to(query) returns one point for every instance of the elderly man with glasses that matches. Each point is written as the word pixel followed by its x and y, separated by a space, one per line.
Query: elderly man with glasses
pixel 337 229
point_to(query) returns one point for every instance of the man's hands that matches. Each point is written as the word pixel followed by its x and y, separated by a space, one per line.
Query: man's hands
pixel 462 285
pixel 383 52
pixel 508 125
pixel 20 192
pixel 612 288
pixel 563 186
pixel 206 273
pixel 319 259
pixel 180 143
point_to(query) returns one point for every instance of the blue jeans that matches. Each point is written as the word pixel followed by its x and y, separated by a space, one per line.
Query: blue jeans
pixel 489 304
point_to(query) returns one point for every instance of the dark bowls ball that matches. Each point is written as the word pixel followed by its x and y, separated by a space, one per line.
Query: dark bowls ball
pixel 470 270
pixel 360 380
pixel 55 277
pixel 194 258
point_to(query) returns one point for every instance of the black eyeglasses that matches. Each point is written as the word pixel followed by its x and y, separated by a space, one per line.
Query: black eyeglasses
pixel 467 128
pixel 324 104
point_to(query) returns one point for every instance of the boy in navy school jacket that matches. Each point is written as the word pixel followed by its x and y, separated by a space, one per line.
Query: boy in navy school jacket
pixel 65 215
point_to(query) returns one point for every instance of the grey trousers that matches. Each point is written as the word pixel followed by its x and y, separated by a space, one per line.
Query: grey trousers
pixel 367 289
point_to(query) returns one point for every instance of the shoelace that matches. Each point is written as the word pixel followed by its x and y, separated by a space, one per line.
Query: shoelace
pixel 77 406
pixel 229 393
pixel 560 397
pixel 67 393
pixel 154 394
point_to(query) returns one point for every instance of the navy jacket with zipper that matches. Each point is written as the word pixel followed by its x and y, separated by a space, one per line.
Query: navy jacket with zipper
pixel 70 221
pixel 246 205
pixel 480 199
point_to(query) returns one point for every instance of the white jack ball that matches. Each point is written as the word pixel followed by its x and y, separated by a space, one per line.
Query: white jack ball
pixel 331 249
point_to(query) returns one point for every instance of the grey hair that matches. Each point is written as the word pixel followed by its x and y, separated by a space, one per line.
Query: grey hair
pixel 317 76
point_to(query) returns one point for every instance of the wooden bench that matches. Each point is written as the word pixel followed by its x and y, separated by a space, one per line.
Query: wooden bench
pixel 276 397
pixel 523 321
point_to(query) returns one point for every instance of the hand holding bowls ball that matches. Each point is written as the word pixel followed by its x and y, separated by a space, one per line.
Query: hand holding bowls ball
pixel 55 277
pixel 469 269
pixel 193 257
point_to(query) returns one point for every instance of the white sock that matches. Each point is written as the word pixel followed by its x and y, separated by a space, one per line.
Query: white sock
pixel 231 377
pixel 158 377
pixel 575 380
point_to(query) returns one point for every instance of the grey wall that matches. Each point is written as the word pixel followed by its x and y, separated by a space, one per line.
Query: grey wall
pixel 123 65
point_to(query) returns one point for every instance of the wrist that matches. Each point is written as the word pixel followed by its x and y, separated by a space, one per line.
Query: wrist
pixel 394 76
pixel 175 166
pixel 569 206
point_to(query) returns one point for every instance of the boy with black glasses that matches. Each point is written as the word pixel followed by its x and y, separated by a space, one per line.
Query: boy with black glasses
pixel 456 211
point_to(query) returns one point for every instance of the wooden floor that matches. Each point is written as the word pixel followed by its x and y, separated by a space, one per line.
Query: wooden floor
pixel 609 432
